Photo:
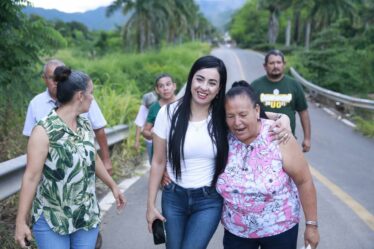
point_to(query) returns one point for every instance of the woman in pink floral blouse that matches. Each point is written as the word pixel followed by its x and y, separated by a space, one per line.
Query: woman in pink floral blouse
pixel 263 182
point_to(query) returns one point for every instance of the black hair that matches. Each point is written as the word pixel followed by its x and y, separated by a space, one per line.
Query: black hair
pixel 274 52
pixel 242 87
pixel 162 75
pixel 216 127
pixel 69 82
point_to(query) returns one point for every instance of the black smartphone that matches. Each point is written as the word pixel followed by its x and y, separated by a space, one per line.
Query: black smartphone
pixel 27 243
pixel 159 236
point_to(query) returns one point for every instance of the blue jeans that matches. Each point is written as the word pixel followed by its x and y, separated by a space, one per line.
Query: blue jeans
pixel 285 240
pixel 192 216
pixel 46 238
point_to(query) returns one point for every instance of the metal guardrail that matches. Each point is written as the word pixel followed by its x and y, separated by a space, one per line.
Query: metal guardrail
pixel 11 171
pixel 348 100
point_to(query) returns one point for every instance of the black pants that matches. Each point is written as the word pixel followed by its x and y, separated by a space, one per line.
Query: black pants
pixel 285 240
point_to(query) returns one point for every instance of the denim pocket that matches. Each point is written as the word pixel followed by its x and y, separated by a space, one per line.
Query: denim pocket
pixel 168 187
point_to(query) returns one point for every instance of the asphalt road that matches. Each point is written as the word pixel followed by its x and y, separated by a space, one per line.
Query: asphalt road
pixel 342 163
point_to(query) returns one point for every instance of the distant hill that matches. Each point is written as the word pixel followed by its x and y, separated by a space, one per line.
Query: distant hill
pixel 218 12
pixel 93 19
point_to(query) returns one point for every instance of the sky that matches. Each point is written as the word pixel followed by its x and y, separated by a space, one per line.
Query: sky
pixel 70 6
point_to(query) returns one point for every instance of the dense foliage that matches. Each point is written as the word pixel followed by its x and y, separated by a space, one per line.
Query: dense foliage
pixel 120 79
pixel 337 62
pixel 153 22
pixel 332 40
pixel 24 41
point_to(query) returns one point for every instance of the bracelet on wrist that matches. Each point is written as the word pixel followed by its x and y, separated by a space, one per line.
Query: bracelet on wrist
pixel 311 223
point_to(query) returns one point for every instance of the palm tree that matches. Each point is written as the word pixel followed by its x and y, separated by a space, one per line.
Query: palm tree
pixel 151 21
pixel 366 11
pixel 324 12
pixel 274 7
pixel 147 23
pixel 138 20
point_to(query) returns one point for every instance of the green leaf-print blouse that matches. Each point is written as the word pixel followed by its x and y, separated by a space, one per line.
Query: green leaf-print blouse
pixel 66 192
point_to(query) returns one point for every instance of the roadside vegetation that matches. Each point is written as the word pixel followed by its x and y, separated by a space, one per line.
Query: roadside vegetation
pixel 120 73
pixel 329 42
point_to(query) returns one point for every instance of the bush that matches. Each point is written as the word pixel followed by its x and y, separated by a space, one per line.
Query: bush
pixel 119 79
pixel 366 127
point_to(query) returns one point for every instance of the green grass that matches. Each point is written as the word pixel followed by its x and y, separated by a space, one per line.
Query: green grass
pixel 121 79
pixel 365 126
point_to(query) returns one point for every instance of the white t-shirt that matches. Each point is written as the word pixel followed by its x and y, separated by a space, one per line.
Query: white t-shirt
pixel 197 169
pixel 141 117
pixel 42 104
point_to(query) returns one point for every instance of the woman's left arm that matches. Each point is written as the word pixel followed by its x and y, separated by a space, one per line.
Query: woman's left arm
pixel 103 174
pixel 297 168
pixel 37 151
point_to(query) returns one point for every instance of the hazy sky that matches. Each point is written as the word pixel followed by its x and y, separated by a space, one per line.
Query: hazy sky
pixel 71 5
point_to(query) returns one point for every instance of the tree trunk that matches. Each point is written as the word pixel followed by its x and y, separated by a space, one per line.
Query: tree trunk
pixel 288 33
pixel 142 38
pixel 273 27
pixel 296 29
pixel 307 34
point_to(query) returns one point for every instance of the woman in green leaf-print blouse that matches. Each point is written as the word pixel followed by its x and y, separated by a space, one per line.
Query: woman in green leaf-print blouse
pixel 59 182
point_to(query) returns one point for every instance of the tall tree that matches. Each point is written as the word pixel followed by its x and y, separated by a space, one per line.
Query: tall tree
pixel 24 41
pixel 152 21
pixel 139 21
pixel 322 13
pixel 274 7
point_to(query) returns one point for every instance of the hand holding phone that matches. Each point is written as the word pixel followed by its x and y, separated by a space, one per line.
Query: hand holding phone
pixel 158 230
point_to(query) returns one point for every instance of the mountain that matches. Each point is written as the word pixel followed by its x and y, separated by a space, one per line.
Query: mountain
pixel 218 12
pixel 93 19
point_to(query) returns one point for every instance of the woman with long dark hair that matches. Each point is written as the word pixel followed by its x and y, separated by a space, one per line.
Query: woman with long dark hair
pixel 190 140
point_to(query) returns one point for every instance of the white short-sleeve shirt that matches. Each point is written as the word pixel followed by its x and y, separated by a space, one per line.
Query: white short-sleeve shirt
pixel 42 104
pixel 197 169
pixel 141 118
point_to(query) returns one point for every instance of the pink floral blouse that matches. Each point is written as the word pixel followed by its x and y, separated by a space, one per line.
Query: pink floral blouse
pixel 260 199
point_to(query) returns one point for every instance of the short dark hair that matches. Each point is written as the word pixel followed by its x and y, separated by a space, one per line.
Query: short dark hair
pixel 273 52
pixel 162 75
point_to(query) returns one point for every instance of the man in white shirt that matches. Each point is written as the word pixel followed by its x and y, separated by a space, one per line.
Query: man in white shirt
pixel 43 103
